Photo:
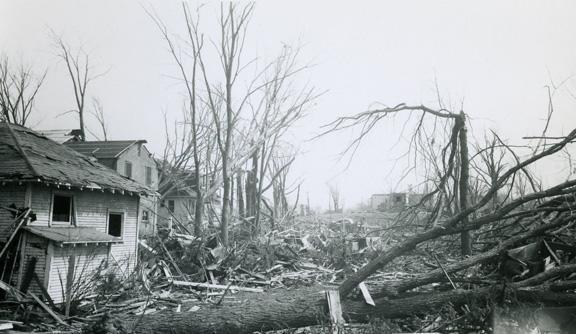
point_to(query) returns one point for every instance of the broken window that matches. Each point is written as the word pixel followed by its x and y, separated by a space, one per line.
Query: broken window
pixel 171 205
pixel 115 224
pixel 148 176
pixel 62 208
pixel 128 169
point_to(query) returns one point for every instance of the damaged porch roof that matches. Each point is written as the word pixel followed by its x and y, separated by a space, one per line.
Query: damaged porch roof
pixel 70 235
pixel 28 156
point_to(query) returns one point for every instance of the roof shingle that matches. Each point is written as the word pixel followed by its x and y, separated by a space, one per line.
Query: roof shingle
pixel 102 149
pixel 26 155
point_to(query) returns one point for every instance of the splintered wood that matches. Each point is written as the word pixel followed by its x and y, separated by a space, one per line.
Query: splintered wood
pixel 216 286
pixel 366 294
pixel 335 309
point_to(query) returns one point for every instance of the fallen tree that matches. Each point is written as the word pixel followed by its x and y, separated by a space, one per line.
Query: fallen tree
pixel 307 306
pixel 543 211
pixel 248 313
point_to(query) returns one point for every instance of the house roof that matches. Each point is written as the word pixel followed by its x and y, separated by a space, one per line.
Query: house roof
pixel 62 135
pixel 28 156
pixel 103 149
pixel 69 235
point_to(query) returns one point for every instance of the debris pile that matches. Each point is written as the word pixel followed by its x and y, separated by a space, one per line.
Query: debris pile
pixel 184 274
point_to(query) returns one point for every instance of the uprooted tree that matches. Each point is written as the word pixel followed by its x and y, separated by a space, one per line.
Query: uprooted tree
pixel 514 219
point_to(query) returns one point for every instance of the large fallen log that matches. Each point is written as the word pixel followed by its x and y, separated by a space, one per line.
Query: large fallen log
pixel 305 307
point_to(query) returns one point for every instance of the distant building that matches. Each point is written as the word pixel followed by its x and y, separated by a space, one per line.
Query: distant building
pixel 393 201
pixel 178 202
pixel 62 215
pixel 131 159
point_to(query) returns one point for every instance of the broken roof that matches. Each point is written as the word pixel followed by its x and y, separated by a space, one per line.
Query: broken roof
pixel 103 149
pixel 29 156
pixel 61 135
pixel 69 235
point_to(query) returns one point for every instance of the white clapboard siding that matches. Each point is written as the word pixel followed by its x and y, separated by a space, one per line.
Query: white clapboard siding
pixel 10 193
pixel 88 260
pixel 91 210
pixel 37 247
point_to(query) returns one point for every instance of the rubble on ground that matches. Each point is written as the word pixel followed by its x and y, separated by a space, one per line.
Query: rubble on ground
pixel 182 273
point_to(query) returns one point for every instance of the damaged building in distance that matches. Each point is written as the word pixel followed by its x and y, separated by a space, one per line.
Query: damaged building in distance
pixel 131 159
pixel 62 215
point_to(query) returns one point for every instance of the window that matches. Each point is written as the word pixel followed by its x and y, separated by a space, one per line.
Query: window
pixel 115 224
pixel 171 205
pixel 128 169
pixel 148 176
pixel 62 208
pixel 145 216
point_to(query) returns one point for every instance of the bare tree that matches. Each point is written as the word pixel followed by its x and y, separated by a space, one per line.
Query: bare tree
pixel 281 164
pixel 455 159
pixel 194 141
pixel 244 113
pixel 98 113
pixel 334 194
pixel 80 75
pixel 18 89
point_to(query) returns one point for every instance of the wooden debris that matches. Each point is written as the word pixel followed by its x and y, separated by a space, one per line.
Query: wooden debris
pixel 366 294
pixel 335 309
pixel 48 310
pixel 216 286
pixel 5 325
pixel 18 223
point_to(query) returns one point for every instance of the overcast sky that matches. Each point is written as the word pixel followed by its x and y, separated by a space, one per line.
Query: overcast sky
pixel 491 58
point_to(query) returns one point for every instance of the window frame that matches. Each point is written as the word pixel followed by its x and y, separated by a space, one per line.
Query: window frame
pixel 128 169
pixel 72 210
pixel 148 175
pixel 122 222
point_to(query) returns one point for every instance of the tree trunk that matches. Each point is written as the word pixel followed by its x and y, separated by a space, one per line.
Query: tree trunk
pixel 465 237
pixel 254 194
pixel 198 213
pixel 240 196
pixel 305 307
pixel 231 196
pixel 225 209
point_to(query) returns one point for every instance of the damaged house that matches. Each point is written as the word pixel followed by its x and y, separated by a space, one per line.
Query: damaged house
pixel 131 159
pixel 62 215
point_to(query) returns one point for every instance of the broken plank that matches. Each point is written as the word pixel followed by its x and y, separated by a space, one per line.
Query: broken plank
pixel 43 290
pixel 23 221
pixel 212 278
pixel 148 248
pixel 216 286
pixel 47 309
pixel 6 325
pixel 11 290
pixel 334 306
pixel 366 294
pixel 259 276
pixel 251 282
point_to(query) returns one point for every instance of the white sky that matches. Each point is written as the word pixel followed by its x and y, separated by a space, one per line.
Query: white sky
pixel 492 57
